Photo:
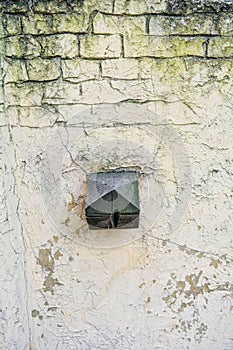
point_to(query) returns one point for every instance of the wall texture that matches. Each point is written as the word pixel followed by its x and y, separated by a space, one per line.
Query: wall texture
pixel 95 85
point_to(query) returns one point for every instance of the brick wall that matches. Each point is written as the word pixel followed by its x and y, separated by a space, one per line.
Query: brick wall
pixel 97 85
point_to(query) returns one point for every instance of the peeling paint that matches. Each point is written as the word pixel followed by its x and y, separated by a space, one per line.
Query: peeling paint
pixel 89 86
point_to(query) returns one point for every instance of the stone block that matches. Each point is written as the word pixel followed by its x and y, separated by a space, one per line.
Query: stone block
pixel 29 94
pixel 52 6
pixel 51 24
pixel 108 24
pixel 37 24
pixel 13 7
pixel 70 23
pixel 78 70
pixel 100 46
pixel 34 117
pixel 60 45
pixel 94 92
pixel 177 79
pixel 87 6
pixel 43 69
pixel 135 7
pixel 158 46
pixel 22 47
pixel 12 24
pixel 177 7
pixel 108 114
pixel 187 25
pixel 122 68
pixel 88 92
pixel 220 47
pixel 15 71
pixel 225 24
pixel 166 76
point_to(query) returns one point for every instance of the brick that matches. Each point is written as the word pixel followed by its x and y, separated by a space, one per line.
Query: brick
pixel 29 94
pixel 162 70
pixel 15 71
pixel 51 24
pixel 43 69
pixel 88 92
pixel 108 24
pixel 70 22
pixel 14 8
pixel 177 7
pixel 62 45
pixel 107 114
pixel 22 47
pixel 12 24
pixel 52 6
pixel 34 117
pixel 135 7
pixel 185 77
pixel 225 24
pixel 77 70
pixel 220 47
pixel 94 92
pixel 100 46
pixel 93 5
pixel 87 6
pixel 146 65
pixel 122 68
pixel 158 46
pixel 189 25
pixel 37 24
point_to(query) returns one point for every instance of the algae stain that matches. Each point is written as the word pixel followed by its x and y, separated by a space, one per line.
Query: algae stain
pixel 47 261
pixel 35 313
pixel 214 263
pixel 50 283
pixel 72 204
pixel 55 239
pixel 57 255
pixel 66 222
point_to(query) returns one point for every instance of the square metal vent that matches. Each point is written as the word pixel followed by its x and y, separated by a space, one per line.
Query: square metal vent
pixel 113 200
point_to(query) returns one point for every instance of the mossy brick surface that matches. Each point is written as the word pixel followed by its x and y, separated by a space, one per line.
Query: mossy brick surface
pixel 225 23
pixel 184 25
pixel 51 24
pixel 59 45
pixel 15 71
pixel 79 6
pixel 155 46
pixel 135 7
pixel 12 24
pixel 22 47
pixel 77 70
pixel 100 46
pixel 220 47
pixel 40 69
pixel 32 117
pixel 24 95
pixel 122 68
pixel 108 24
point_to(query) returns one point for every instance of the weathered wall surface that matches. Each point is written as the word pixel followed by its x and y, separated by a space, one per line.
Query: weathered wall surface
pixel 87 86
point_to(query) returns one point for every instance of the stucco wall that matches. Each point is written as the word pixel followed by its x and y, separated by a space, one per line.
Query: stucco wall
pixel 97 85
